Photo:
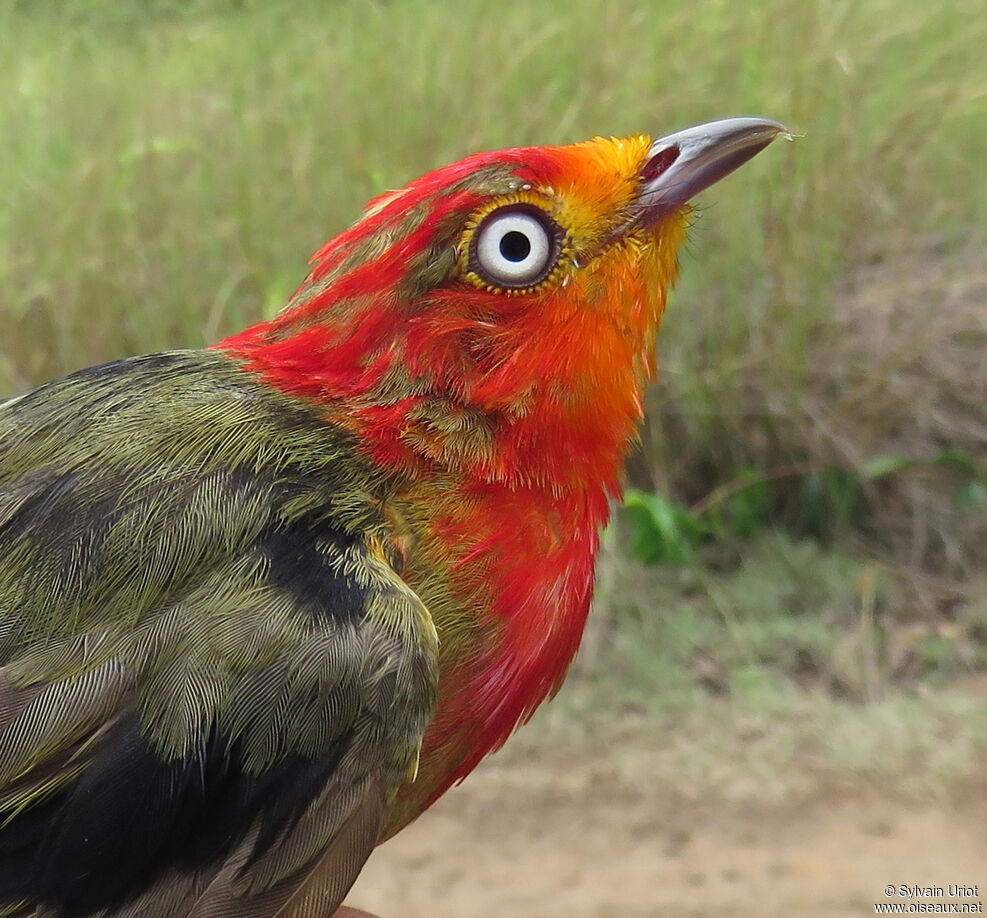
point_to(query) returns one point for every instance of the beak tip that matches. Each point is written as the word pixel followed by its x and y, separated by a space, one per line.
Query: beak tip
pixel 682 164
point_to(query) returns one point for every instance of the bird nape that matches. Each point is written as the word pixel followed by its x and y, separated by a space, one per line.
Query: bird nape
pixel 261 604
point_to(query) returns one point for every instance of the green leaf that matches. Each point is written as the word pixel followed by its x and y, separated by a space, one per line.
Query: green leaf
pixel 882 466
pixel 831 498
pixel 963 461
pixel 845 495
pixel 747 509
pixel 662 532
pixel 971 496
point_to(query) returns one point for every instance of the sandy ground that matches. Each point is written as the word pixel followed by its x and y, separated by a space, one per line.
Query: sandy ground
pixel 557 836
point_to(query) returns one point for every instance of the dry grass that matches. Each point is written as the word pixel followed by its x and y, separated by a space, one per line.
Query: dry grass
pixel 893 377
pixel 904 375
pixel 168 166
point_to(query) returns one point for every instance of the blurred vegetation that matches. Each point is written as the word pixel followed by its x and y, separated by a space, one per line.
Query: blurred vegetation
pixel 790 614
pixel 168 165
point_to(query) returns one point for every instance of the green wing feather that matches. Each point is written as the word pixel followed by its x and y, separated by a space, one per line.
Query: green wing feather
pixel 211 680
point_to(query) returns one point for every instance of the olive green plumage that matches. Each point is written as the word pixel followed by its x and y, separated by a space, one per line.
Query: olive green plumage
pixel 209 672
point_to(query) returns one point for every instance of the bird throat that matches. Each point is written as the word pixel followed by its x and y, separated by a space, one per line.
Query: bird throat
pixel 507 575
pixel 498 526
pixel 503 444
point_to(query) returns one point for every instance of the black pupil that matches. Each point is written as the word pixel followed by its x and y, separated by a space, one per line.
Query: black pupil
pixel 515 246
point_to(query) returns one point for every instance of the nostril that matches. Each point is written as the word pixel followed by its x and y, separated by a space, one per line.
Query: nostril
pixel 659 163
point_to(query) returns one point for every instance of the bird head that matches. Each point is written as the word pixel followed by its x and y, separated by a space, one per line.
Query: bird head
pixel 497 317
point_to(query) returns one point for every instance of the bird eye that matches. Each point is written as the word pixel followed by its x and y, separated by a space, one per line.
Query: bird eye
pixel 515 247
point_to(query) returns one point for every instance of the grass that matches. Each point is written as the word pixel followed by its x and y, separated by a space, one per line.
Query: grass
pixel 764 752
pixel 801 670
pixel 168 166
pixel 790 615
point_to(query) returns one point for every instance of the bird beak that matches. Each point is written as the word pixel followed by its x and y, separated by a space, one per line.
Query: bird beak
pixel 681 165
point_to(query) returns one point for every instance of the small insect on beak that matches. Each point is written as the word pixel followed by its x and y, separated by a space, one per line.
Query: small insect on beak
pixel 681 165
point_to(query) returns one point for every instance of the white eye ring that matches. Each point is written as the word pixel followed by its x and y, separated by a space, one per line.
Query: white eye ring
pixel 515 247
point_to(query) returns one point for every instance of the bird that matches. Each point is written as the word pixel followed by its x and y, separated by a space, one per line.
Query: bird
pixel 263 602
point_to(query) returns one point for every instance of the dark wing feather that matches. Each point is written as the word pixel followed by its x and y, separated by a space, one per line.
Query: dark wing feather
pixel 211 684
